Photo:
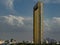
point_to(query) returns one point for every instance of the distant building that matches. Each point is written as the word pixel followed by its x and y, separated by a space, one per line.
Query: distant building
pixel 57 43
pixel 38 23
pixel 12 41
pixel 50 40
pixel 47 42
pixel 2 42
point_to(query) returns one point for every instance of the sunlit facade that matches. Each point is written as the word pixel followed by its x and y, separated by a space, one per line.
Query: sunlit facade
pixel 38 23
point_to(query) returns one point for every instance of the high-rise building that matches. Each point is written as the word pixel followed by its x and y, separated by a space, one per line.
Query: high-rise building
pixel 38 23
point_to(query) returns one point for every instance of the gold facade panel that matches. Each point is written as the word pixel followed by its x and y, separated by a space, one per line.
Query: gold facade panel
pixel 37 23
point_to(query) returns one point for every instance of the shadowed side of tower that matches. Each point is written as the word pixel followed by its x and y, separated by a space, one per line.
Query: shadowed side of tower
pixel 38 23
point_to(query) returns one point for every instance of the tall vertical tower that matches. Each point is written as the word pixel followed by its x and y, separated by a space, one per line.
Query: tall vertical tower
pixel 38 23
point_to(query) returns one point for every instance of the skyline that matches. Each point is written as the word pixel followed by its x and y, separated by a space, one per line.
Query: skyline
pixel 16 19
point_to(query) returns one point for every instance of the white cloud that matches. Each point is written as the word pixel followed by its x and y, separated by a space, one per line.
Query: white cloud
pixel 56 20
pixel 49 24
pixel 16 20
pixel 46 1
pixel 49 1
pixel 13 20
pixel 52 28
pixel 8 3
pixel 16 27
pixel 24 24
pixel 53 21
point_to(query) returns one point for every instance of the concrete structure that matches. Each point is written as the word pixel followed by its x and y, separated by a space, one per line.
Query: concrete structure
pixel 38 23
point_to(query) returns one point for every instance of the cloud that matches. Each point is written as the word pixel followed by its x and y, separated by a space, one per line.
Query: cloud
pixel 8 3
pixel 52 22
pixel 46 1
pixel 13 20
pixel 49 1
pixel 17 27
pixel 52 28
pixel 23 25
pixel 18 21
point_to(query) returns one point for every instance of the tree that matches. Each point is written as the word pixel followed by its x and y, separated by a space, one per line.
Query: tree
pixel 11 40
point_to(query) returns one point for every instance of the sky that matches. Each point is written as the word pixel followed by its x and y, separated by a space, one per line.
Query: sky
pixel 16 19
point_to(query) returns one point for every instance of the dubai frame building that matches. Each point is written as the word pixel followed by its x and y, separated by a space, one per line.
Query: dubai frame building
pixel 38 23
